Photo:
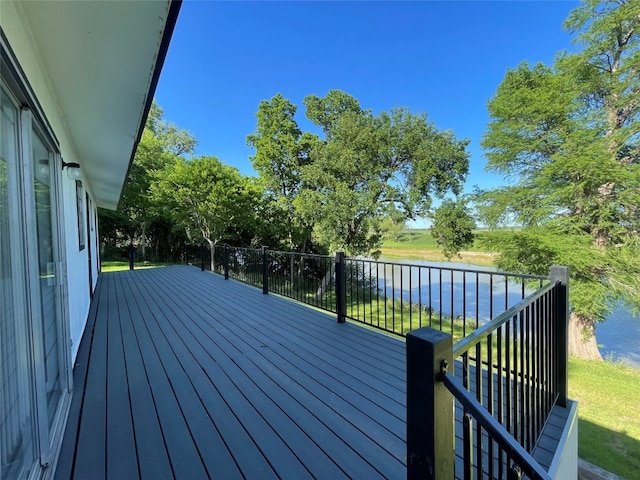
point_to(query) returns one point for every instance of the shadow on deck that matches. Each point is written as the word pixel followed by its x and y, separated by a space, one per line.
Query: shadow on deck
pixel 182 374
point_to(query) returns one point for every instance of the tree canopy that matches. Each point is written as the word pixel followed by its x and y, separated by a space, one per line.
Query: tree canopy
pixel 567 138
pixel 366 167
pixel 207 198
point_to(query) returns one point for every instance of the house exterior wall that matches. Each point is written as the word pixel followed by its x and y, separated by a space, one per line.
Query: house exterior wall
pixel 76 272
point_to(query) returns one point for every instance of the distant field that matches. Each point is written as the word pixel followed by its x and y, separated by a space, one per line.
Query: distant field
pixel 419 244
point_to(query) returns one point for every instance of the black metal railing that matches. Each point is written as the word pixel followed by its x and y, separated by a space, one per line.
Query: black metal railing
pixel 506 377
pixel 306 278
pixel 400 297
pixel 395 297
pixel 243 264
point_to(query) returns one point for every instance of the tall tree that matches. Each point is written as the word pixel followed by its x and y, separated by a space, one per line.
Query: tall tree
pixel 137 217
pixel 567 137
pixel 281 152
pixel 369 165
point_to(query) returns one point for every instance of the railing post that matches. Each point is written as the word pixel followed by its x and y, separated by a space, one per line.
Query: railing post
pixel 225 262
pixel 561 274
pixel 265 270
pixel 202 256
pixel 430 428
pixel 341 287
pixel 131 256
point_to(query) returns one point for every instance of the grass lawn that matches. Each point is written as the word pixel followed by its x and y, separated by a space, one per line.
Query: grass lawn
pixel 117 265
pixel 609 415
pixel 419 244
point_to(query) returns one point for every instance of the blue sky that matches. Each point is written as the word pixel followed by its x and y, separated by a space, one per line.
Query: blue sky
pixel 445 59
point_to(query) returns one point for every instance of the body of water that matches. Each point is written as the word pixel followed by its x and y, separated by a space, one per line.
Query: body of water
pixel 618 337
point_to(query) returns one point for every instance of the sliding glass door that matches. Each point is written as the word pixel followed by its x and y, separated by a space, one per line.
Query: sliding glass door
pixel 33 358
pixel 18 428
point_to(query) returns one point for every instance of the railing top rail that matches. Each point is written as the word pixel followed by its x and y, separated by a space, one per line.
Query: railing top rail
pixel 231 247
pixel 313 255
pixel 453 269
pixel 524 460
pixel 485 330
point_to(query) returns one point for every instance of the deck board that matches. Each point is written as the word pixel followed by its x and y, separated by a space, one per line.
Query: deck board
pixel 181 374
pixel 185 375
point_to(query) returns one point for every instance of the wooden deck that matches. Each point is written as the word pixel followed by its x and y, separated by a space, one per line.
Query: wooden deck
pixel 182 374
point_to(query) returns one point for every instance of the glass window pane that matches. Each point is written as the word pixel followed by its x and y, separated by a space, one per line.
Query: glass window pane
pixel 47 258
pixel 17 427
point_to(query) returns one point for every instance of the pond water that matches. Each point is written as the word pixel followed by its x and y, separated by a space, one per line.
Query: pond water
pixel 618 337
pixel 452 289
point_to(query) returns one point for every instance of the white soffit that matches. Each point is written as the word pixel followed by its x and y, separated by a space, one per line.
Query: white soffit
pixel 100 57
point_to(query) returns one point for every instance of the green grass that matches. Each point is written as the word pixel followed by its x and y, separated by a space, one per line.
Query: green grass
pixel 609 415
pixel 421 238
pixel 420 244
pixel 415 238
pixel 402 317
pixel 118 265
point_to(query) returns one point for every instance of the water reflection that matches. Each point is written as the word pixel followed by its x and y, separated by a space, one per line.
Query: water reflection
pixel 476 296
pixel 619 337
pixel 454 289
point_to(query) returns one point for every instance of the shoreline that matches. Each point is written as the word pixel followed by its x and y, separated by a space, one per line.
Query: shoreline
pixel 475 258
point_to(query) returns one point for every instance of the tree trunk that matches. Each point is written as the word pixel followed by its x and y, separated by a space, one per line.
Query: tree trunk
pixel 582 338
pixel 143 242
pixel 326 281
pixel 212 246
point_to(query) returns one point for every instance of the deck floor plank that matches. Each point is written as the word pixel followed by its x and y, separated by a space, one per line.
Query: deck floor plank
pixel 184 375
pixel 274 401
pixel 122 463
pixel 176 323
pixel 186 425
pixel 298 362
pixel 65 464
pixel 90 456
pixel 151 449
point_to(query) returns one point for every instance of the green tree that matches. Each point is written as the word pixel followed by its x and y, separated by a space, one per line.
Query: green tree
pixel 327 111
pixel 369 165
pixel 281 152
pixel 567 137
pixel 137 218
pixel 453 227
pixel 207 198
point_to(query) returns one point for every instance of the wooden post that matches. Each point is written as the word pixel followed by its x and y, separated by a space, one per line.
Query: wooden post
pixel 561 274
pixel 265 270
pixel 225 262
pixel 341 287
pixel 430 429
